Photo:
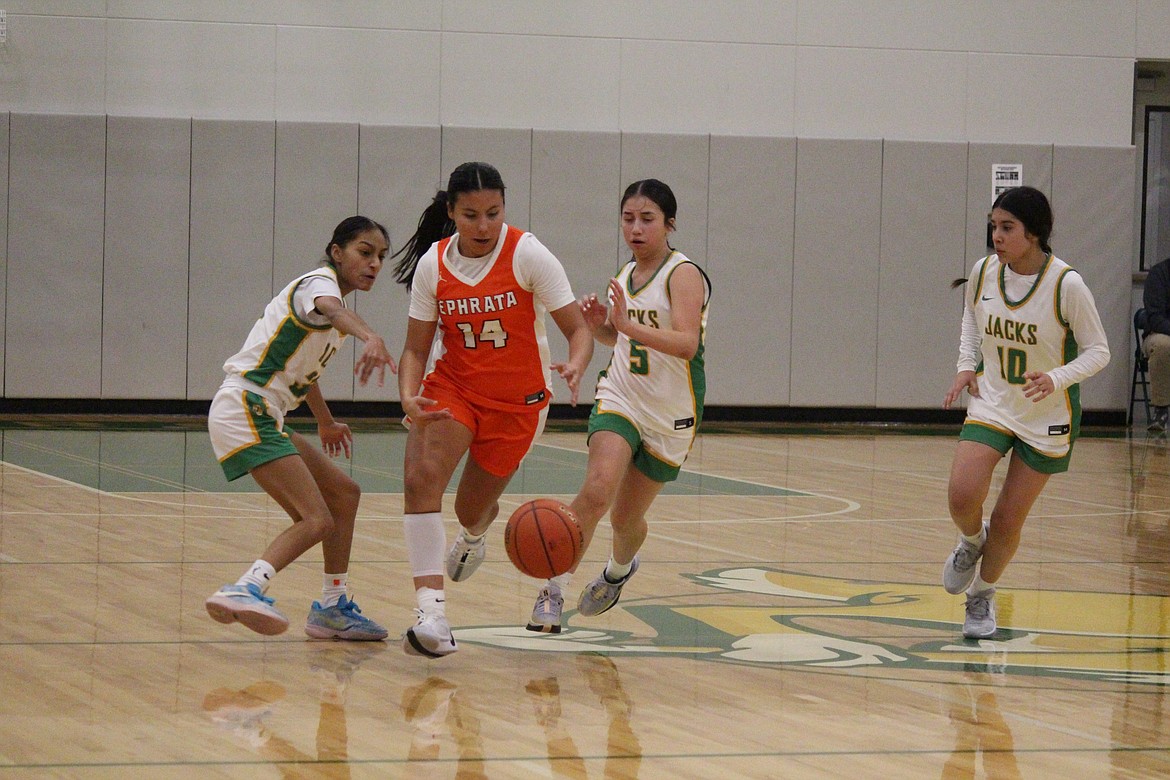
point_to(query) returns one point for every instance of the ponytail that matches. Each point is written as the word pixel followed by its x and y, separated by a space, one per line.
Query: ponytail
pixel 433 225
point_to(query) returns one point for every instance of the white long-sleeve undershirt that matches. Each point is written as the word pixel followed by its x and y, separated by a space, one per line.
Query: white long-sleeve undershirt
pixel 1078 309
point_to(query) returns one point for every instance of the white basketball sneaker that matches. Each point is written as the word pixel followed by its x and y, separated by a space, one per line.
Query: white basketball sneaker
pixel 546 614
pixel 979 622
pixel 959 570
pixel 600 595
pixel 430 636
pixel 465 557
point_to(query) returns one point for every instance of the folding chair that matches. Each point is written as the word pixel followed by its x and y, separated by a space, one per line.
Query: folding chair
pixel 1140 366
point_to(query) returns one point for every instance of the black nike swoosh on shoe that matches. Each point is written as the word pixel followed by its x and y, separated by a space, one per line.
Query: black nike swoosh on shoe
pixel 417 645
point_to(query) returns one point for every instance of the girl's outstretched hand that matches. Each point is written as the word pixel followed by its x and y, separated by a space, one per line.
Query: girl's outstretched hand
pixel 374 357
pixel 618 316
pixel 572 376
pixel 420 410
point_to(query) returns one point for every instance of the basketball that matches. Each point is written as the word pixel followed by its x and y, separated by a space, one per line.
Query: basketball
pixel 543 538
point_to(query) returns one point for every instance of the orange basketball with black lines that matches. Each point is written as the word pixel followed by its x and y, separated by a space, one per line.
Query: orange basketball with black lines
pixel 543 538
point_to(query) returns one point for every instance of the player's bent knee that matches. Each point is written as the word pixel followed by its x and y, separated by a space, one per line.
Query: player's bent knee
pixel 321 527
pixel 342 497
pixel 419 481
pixel 592 501
pixel 963 501
pixel 350 491
pixel 630 526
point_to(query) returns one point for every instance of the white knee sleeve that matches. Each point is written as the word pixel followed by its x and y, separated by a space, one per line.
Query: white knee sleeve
pixel 426 542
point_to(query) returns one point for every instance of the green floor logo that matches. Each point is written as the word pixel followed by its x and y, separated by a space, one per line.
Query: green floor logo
pixel 796 619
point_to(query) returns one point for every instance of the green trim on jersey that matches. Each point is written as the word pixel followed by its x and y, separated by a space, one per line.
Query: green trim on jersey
pixel 331 274
pixel 273 445
pixel 1003 283
pixel 1002 442
pixel 979 282
pixel 1074 402
pixel 1057 301
pixel 630 279
pixel 284 344
pixel 645 462
pixel 697 373
pixel 696 366
pixel 1069 352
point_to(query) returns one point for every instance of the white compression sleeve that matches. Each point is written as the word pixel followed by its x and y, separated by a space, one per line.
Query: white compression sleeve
pixel 426 542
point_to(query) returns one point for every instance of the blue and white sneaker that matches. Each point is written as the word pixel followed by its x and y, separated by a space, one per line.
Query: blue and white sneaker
pixel 343 620
pixel 246 604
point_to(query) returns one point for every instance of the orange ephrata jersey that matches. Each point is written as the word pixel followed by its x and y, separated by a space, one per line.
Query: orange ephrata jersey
pixel 494 343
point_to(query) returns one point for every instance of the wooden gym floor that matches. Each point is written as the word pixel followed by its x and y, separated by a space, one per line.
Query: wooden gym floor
pixel 787 621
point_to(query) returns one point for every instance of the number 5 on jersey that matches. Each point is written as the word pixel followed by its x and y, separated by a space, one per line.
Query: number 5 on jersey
pixel 639 358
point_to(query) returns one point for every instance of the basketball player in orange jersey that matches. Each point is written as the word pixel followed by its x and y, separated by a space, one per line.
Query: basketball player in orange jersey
pixel 484 286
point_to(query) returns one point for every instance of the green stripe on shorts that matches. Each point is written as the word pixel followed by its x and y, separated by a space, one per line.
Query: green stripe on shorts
pixel 654 468
pixel 273 445
pixel 1001 442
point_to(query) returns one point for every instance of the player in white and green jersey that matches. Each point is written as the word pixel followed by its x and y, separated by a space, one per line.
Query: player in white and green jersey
pixel 659 394
pixel 288 347
pixel 649 399
pixel 1024 324
pixel 276 369
pixel 1031 333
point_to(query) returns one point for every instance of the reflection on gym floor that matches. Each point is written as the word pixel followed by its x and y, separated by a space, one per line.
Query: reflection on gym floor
pixel 787 621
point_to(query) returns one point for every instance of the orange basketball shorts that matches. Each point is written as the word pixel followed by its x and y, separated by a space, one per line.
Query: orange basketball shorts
pixel 501 437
